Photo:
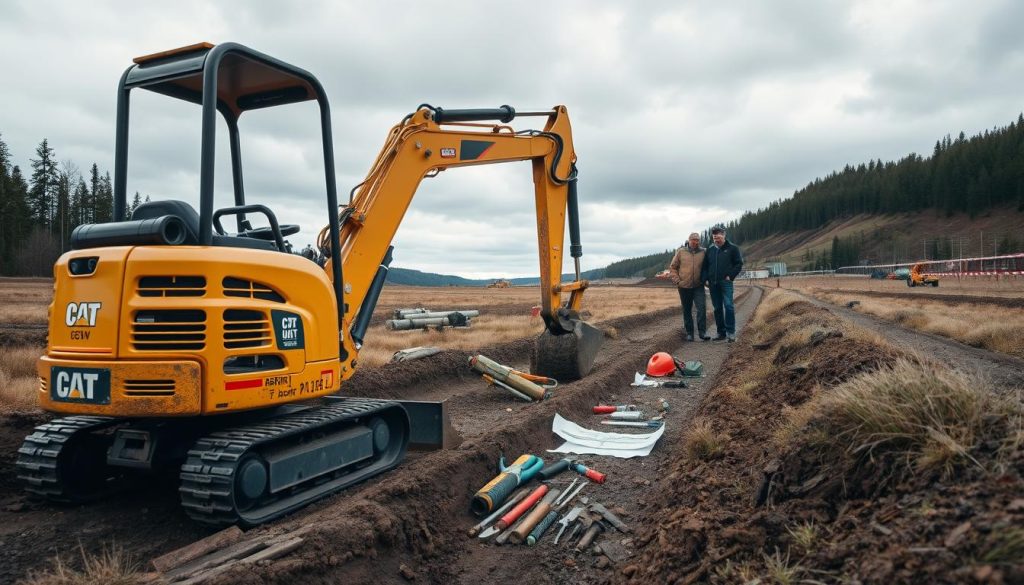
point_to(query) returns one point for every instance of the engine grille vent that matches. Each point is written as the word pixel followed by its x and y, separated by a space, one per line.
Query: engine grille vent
pixel 240 287
pixel 172 286
pixel 149 387
pixel 169 330
pixel 244 328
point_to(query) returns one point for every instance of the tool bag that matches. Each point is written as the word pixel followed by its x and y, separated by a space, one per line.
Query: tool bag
pixel 692 369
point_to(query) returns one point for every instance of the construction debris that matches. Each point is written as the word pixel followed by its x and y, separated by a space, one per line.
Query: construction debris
pixel 584 441
pixel 641 380
pixel 520 384
pixel 414 353
pixel 430 319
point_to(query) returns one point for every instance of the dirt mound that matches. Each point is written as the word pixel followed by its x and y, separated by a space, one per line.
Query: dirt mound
pixel 768 506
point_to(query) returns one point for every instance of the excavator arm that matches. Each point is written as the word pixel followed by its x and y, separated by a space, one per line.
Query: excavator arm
pixel 420 147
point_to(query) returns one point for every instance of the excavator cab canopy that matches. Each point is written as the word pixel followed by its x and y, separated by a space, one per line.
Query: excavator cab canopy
pixel 231 79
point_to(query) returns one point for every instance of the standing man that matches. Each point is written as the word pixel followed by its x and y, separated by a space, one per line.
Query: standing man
pixel 722 264
pixel 687 271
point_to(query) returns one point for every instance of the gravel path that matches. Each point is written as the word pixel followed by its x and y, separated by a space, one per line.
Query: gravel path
pixel 1004 370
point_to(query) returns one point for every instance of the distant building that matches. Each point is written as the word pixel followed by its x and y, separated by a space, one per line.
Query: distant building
pixel 775 268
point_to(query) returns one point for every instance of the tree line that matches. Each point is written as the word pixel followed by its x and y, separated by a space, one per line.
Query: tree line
pixel 969 175
pixel 38 214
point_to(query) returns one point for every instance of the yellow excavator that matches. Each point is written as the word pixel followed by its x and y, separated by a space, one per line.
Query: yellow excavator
pixel 918 277
pixel 178 342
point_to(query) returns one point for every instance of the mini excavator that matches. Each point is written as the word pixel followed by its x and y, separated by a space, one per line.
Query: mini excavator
pixel 218 354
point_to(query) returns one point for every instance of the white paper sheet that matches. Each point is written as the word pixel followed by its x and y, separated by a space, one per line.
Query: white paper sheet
pixel 587 442
pixel 641 380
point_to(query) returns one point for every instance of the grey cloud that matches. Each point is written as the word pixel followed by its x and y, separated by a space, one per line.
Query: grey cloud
pixel 698 108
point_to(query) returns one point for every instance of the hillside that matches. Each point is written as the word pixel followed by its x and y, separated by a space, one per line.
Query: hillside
pixel 900 237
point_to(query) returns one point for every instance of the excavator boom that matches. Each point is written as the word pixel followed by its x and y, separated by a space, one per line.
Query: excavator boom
pixel 432 140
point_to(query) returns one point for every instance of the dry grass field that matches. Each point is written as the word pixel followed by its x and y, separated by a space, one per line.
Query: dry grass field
pixel 983 286
pixel 991 327
pixel 24 300
pixel 504 316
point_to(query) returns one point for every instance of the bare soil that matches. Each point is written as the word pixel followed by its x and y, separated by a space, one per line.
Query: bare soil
pixel 693 520
pixel 776 514
pixel 416 515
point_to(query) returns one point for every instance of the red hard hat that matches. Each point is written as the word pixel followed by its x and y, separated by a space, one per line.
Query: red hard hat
pixel 661 364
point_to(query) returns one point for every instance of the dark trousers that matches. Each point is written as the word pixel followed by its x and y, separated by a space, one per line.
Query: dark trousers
pixel 725 312
pixel 691 297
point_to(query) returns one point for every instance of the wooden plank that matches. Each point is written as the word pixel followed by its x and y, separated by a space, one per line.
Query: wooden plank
pixel 179 557
pixel 235 551
pixel 271 552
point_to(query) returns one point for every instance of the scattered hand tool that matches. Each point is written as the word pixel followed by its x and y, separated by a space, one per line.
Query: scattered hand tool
pixel 592 475
pixel 572 495
pixel 504 536
pixel 595 527
pixel 520 533
pixel 516 512
pixel 499 488
pixel 548 520
pixel 653 424
pixel 627 415
pixel 561 499
pixel 504 508
pixel 608 408
pixel 611 518
pixel 567 520
pixel 554 469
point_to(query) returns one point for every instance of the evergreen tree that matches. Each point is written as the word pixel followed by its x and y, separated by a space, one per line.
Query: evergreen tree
pixel 78 202
pixel 15 219
pixel 136 202
pixel 105 201
pixel 43 186
pixel 94 188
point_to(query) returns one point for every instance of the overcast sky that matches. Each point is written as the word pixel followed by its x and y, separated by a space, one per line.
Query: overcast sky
pixel 684 113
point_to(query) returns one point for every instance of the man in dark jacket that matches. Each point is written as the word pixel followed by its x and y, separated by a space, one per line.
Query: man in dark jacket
pixel 687 271
pixel 722 264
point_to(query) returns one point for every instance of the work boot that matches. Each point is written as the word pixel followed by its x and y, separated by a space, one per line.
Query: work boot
pixel 705 337
pixel 731 337
pixel 720 337
pixel 689 337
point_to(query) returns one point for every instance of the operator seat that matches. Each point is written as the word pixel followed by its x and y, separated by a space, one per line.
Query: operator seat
pixel 187 214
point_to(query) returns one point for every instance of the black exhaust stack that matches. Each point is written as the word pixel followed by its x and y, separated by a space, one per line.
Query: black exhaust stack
pixel 168 230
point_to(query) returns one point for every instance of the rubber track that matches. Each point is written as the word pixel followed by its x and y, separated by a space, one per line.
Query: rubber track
pixel 38 456
pixel 207 476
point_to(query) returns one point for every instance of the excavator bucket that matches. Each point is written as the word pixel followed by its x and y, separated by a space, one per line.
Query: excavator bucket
pixel 566 356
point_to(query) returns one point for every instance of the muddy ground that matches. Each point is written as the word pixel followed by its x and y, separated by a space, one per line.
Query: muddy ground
pixel 416 515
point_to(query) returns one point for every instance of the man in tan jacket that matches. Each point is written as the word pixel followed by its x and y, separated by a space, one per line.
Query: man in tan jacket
pixel 686 271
